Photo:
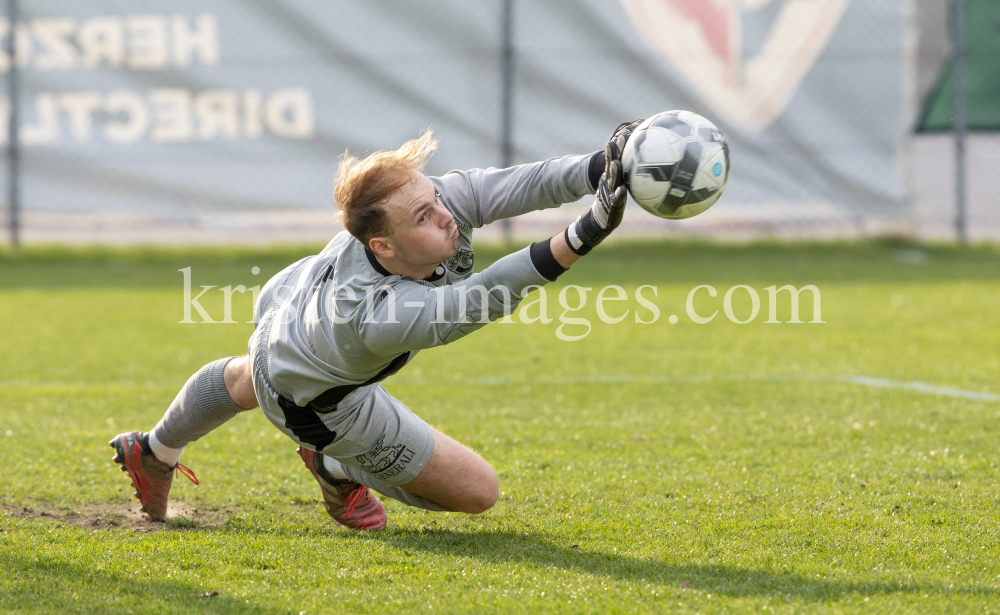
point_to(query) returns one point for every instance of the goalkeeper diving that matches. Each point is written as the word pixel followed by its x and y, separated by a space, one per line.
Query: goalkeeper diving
pixel 332 326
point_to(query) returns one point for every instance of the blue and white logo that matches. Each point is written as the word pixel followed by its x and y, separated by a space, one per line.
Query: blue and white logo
pixel 717 169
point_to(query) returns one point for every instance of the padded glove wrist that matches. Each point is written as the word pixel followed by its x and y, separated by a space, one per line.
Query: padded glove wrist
pixel 606 213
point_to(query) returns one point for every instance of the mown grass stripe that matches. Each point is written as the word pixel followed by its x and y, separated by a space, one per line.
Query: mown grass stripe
pixel 867 381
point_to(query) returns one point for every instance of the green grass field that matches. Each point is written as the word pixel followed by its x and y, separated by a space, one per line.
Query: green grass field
pixel 713 468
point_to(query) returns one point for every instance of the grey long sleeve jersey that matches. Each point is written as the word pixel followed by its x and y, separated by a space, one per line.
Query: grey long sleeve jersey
pixel 332 325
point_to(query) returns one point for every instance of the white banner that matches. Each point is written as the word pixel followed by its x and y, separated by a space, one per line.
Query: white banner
pixel 178 108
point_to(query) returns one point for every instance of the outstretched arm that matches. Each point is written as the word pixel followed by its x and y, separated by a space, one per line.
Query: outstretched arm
pixel 408 315
pixel 481 196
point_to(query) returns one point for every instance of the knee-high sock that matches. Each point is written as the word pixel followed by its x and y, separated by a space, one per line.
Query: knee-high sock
pixel 392 491
pixel 202 405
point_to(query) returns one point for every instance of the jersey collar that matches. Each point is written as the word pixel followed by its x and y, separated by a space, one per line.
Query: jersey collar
pixel 439 271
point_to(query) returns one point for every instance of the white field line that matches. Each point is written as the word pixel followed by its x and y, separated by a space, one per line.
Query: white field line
pixel 880 383
pixel 922 387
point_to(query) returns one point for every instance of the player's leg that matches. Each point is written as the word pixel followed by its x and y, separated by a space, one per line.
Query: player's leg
pixel 386 447
pixel 456 478
pixel 212 396
pixel 216 393
pixel 239 383
pixel 464 495
pixel 378 444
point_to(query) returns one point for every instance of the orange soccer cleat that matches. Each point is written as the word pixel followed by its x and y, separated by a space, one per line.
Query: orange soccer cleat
pixel 150 476
pixel 349 503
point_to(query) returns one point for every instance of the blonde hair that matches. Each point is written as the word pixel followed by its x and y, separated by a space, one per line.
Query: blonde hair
pixel 364 185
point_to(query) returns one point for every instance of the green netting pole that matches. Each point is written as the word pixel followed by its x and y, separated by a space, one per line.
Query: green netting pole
pixel 960 117
pixel 13 141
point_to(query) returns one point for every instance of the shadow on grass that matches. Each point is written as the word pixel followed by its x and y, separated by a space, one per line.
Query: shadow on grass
pixel 50 585
pixel 504 547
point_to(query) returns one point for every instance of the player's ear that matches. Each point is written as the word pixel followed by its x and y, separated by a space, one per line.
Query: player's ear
pixel 381 246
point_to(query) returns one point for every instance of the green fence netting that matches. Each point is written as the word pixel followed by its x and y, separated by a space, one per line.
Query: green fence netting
pixel 982 19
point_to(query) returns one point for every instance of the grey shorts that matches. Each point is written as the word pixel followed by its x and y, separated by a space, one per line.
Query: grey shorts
pixel 379 436
pixel 370 429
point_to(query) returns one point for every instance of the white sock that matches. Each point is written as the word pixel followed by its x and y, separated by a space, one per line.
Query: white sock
pixel 333 466
pixel 164 453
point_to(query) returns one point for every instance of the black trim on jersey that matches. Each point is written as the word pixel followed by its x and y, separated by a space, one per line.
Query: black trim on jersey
pixel 328 400
pixel 305 421
pixel 596 168
pixel 544 261
pixel 306 424
pixel 377 266
pixel 437 276
pixel 327 274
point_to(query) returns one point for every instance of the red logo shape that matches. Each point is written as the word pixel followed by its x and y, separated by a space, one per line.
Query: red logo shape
pixel 744 59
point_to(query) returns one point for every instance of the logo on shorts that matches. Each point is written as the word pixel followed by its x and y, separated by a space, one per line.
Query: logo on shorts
pixel 385 461
pixel 461 263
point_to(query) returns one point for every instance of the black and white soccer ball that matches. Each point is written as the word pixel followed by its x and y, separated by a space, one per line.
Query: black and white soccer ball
pixel 676 164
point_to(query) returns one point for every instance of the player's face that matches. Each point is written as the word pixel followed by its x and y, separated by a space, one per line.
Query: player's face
pixel 423 230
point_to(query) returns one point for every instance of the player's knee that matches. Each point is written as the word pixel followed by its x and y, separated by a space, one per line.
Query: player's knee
pixel 484 496
pixel 239 383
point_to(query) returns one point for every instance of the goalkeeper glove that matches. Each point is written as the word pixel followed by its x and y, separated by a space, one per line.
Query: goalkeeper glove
pixel 623 132
pixel 606 213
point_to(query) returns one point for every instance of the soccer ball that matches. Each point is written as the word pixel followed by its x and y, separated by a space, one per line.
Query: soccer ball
pixel 676 164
